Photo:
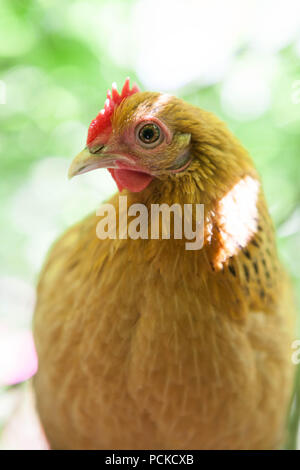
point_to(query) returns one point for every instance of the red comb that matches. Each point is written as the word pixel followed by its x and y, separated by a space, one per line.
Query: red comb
pixel 101 125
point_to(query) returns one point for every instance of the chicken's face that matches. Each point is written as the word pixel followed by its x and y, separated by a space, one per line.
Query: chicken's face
pixel 136 138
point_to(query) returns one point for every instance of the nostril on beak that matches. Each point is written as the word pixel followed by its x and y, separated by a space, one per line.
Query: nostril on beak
pixel 95 150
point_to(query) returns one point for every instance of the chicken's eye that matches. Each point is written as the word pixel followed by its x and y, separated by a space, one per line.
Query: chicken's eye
pixel 149 135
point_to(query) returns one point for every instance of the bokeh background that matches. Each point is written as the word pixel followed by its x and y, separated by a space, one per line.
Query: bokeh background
pixel 240 60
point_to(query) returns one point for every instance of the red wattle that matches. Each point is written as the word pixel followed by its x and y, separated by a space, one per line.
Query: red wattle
pixel 135 181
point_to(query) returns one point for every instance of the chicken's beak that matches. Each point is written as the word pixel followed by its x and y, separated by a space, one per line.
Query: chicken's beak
pixel 86 161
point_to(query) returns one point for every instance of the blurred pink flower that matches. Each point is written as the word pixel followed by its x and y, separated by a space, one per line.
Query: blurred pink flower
pixel 18 359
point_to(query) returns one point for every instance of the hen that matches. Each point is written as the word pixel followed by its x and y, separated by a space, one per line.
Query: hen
pixel 143 343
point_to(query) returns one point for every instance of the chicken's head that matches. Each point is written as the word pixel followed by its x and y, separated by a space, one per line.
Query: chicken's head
pixel 146 136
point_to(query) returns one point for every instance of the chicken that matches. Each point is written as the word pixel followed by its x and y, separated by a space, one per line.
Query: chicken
pixel 143 343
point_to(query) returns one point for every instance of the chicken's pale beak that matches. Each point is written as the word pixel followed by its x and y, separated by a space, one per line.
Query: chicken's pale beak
pixel 126 173
pixel 86 161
